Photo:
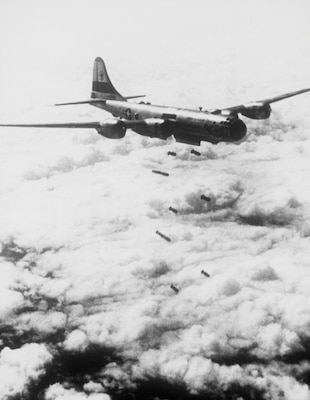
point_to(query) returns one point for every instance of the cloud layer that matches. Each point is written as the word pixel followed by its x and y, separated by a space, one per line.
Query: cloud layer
pixel 87 310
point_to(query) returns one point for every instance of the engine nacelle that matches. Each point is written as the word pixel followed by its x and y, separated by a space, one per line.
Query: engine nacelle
pixel 257 110
pixel 112 129
pixel 155 128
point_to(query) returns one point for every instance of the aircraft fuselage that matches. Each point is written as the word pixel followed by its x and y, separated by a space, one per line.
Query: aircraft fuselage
pixel 187 126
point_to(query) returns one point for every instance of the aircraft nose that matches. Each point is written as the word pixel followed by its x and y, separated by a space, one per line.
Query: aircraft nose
pixel 237 130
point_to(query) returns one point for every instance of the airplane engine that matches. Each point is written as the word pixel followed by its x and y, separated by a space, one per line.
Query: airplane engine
pixel 257 111
pixel 112 129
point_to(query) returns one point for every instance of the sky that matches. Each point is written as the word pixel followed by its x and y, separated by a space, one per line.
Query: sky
pixel 87 310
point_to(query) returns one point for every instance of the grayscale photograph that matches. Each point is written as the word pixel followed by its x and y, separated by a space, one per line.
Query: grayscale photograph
pixel 154 200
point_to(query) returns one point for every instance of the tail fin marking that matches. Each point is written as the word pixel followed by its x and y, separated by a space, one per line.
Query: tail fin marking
pixel 102 87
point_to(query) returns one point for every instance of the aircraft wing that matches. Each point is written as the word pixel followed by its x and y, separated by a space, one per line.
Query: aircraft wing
pixel 58 125
pixel 88 125
pixel 244 107
pixel 113 128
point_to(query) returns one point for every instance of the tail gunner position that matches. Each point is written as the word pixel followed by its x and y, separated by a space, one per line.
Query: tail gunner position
pixel 187 126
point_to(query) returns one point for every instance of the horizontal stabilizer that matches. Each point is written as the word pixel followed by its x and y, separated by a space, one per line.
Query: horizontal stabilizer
pixel 134 97
pixel 91 101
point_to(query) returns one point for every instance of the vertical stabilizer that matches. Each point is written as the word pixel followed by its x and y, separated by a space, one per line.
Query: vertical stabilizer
pixel 102 87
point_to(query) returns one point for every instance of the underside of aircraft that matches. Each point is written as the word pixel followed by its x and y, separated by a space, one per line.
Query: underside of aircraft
pixel 186 125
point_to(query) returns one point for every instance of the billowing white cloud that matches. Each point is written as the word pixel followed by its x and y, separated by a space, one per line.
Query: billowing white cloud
pixel 20 367
pixel 58 392
pixel 83 272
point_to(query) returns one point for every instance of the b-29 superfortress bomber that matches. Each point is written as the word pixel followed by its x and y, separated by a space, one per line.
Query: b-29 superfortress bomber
pixel 186 125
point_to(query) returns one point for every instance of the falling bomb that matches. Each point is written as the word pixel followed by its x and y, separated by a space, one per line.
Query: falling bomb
pixel 163 236
pixel 171 153
pixel 205 198
pixel 160 172
pixel 205 273
pixel 174 288
pixel 173 210
pixel 196 153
